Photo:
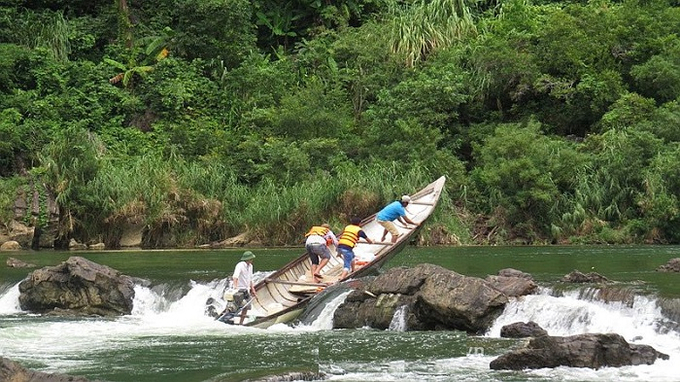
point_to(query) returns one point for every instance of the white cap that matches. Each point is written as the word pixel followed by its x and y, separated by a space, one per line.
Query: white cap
pixel 405 199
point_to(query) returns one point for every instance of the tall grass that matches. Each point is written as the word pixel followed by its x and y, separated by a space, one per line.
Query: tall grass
pixel 50 31
pixel 281 215
pixel 191 203
pixel 427 26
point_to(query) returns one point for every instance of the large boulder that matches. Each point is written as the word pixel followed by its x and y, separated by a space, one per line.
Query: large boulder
pixel 433 298
pixel 584 350
pixel 12 371
pixel 10 245
pixel 21 233
pixel 79 286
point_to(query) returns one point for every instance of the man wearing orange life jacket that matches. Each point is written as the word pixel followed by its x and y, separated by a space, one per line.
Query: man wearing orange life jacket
pixel 348 239
pixel 319 238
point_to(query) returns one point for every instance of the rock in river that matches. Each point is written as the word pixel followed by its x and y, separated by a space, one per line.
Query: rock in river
pixel 591 350
pixel 11 371
pixel 80 287
pixel 434 298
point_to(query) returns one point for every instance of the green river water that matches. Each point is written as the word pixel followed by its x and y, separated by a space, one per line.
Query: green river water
pixel 168 339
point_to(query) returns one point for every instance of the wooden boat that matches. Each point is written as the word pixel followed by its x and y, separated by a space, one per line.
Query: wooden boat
pixel 283 295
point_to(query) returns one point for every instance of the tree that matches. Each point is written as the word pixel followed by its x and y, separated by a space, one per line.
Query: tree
pixel 155 51
pixel 520 175
pixel 659 77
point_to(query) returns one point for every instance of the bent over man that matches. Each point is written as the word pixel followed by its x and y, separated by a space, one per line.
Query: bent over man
pixel 348 240
pixel 394 211
pixel 319 238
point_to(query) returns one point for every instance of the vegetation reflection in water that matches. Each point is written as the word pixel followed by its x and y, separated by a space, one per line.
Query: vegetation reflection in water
pixel 255 355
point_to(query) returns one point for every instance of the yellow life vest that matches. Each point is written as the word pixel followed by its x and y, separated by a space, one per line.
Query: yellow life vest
pixel 317 230
pixel 350 236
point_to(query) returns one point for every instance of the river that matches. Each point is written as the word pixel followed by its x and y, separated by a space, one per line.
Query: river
pixel 168 338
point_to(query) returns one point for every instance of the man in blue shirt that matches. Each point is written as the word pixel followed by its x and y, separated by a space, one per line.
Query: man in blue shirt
pixel 394 211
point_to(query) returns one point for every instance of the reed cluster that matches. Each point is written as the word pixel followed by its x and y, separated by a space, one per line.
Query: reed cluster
pixel 183 204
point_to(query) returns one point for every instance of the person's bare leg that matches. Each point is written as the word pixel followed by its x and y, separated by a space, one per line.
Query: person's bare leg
pixel 384 235
pixel 395 237
pixel 313 271
pixel 322 264
pixel 243 315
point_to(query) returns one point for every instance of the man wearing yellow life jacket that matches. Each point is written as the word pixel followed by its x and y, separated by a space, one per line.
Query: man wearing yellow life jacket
pixel 348 240
pixel 319 238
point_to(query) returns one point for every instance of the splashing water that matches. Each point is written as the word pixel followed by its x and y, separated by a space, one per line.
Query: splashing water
pixel 639 322
pixel 325 319
pixel 398 323
pixel 9 302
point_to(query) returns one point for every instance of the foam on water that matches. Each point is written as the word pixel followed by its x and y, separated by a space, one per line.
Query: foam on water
pixel 398 322
pixel 640 322
pixel 9 301
pixel 152 316
pixel 325 319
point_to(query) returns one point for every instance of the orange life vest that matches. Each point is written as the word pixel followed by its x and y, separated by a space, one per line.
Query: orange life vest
pixel 317 230
pixel 350 236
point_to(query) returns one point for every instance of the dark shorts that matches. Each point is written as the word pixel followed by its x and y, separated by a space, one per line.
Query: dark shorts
pixel 241 298
pixel 316 251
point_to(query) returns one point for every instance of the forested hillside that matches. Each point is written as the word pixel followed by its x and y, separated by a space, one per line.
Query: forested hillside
pixel 198 120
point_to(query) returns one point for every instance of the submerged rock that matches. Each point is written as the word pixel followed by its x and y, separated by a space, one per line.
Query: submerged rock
pixel 16 263
pixel 583 350
pixel 511 272
pixel 292 376
pixel 673 265
pixel 513 286
pixel 578 277
pixel 12 371
pixel 77 286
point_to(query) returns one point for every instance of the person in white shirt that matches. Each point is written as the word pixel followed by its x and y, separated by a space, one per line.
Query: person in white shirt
pixel 243 280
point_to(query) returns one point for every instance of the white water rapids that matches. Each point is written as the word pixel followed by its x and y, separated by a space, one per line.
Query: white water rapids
pixel 154 314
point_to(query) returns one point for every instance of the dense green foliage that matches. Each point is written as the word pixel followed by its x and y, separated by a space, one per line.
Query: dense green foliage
pixel 555 122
